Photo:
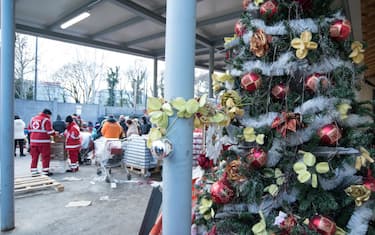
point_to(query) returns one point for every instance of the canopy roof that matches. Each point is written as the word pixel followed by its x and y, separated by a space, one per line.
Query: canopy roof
pixel 132 27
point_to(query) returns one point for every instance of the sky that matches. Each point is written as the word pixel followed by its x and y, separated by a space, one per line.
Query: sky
pixel 53 54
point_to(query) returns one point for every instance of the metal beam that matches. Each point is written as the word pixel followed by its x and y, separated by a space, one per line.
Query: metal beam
pixel 144 39
pixel 81 41
pixel 75 12
pixel 150 15
pixel 206 61
pixel 219 19
pixel 125 24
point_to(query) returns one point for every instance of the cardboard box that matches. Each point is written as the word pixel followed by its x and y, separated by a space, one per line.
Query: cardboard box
pixel 59 139
pixel 58 151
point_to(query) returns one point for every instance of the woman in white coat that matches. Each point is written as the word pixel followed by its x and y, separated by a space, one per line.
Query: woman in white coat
pixel 19 135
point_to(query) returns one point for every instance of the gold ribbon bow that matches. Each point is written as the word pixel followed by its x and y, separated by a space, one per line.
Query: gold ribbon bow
pixel 303 44
pixel 363 159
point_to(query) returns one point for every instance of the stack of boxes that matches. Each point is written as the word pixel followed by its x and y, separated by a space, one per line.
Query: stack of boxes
pixel 137 154
pixel 58 148
pixel 197 144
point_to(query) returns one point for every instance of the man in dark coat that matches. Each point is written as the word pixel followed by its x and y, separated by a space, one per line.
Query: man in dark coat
pixel 59 125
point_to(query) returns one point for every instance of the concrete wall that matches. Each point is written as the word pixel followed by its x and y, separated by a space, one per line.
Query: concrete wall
pixel 26 109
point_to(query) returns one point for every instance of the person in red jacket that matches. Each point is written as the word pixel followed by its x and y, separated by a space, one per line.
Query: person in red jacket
pixel 40 129
pixel 72 143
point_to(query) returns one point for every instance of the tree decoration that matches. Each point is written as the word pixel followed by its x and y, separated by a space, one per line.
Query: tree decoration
pixel 303 44
pixel 232 171
pixel 329 134
pixel 369 181
pixel 251 81
pixel 363 159
pixel 343 109
pixel 159 111
pixel 206 209
pixel 231 101
pixel 277 174
pixel 161 148
pixel 251 136
pixel 322 225
pixel 287 122
pixel 259 43
pixel 316 80
pixel 306 5
pixel 260 228
pixel 359 192
pixel 340 30
pixel 257 157
pixel 357 54
pixel 239 28
pixel 268 8
pixel 285 222
pixel 245 4
pixel 257 2
pixel 279 91
pixel 204 161
pixel 304 169
pixel 218 81
pixel 221 192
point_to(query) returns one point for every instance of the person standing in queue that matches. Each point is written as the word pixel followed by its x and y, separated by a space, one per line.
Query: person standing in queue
pixel 40 129
pixel 72 143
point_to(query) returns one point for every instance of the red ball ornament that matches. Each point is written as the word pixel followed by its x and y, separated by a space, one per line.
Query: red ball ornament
pixel 322 225
pixel 279 91
pixel 340 30
pixel 251 81
pixel 239 28
pixel 316 80
pixel 257 157
pixel 221 192
pixel 268 7
pixel 245 4
pixel 329 134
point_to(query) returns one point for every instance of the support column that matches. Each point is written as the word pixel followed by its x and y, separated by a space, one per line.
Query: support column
pixel 179 82
pixel 211 71
pixel 7 109
pixel 155 81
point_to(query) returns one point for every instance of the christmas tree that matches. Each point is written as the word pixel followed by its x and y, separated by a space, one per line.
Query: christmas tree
pixel 295 155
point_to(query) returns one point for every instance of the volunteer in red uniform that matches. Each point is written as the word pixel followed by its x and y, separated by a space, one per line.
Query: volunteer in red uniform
pixel 40 128
pixel 73 143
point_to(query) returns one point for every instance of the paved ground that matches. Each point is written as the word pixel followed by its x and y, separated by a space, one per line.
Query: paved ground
pixel 113 211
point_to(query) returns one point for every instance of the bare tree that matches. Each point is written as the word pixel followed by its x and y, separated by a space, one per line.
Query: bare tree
pixel 80 80
pixel 112 80
pixel 137 75
pixel 23 66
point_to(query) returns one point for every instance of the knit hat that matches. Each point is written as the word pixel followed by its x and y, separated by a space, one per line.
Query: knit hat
pixel 69 119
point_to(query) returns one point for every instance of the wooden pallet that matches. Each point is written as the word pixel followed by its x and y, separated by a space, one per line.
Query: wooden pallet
pixel 143 171
pixel 25 184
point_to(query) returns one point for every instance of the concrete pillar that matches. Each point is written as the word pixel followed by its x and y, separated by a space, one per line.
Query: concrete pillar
pixel 179 82
pixel 155 81
pixel 211 71
pixel 7 111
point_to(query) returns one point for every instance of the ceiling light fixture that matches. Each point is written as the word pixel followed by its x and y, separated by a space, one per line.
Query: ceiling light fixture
pixel 75 20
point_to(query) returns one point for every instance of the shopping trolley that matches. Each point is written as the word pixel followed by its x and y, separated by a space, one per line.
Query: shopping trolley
pixel 110 153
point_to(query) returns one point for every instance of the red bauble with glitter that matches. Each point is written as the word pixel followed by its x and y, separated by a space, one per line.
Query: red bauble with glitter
pixel 245 4
pixel 221 192
pixel 268 7
pixel 251 81
pixel 257 157
pixel 239 28
pixel 329 134
pixel 322 225
pixel 340 30
pixel 279 91
pixel 316 80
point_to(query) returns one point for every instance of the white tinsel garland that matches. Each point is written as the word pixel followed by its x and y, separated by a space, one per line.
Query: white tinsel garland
pixel 261 121
pixel 316 105
pixel 358 223
pixel 343 177
pixel 275 153
pixel 354 120
pixel 284 66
